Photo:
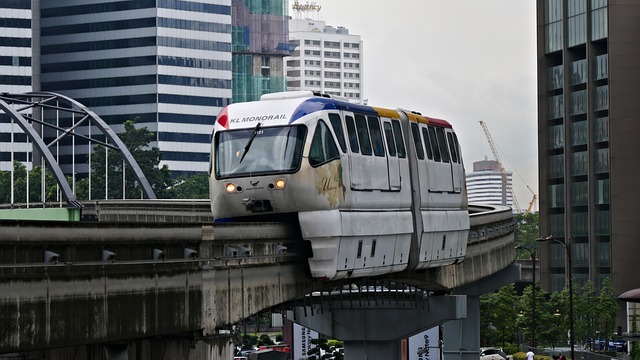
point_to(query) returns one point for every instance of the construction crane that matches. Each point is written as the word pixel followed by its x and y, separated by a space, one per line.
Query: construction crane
pixel 502 170
pixel 533 201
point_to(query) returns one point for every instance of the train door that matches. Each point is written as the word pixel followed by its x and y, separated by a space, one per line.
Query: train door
pixel 392 156
pixel 357 161
pixel 440 170
pixel 367 156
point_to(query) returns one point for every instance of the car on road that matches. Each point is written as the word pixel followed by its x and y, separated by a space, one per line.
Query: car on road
pixel 618 345
pixel 492 354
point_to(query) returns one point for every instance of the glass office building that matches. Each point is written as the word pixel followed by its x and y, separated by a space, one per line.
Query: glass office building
pixel 260 43
pixel 16 74
pixel 588 125
pixel 165 63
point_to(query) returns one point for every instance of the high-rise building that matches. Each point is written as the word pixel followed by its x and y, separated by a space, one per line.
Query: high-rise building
pixel 166 63
pixel 488 185
pixel 15 74
pixel 588 126
pixel 260 43
pixel 327 59
pixel 15 45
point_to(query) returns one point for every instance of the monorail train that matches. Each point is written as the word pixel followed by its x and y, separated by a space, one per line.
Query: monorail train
pixel 375 190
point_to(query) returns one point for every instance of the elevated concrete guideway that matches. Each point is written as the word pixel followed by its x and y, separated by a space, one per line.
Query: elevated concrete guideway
pixel 174 289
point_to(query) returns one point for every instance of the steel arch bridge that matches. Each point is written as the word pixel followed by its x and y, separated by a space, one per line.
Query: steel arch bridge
pixel 29 109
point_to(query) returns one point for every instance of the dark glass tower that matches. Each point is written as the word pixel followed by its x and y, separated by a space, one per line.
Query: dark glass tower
pixel 588 128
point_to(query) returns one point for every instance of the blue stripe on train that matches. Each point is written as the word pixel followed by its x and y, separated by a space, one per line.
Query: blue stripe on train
pixel 312 105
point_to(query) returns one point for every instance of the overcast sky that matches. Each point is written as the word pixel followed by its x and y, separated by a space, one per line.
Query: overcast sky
pixel 464 61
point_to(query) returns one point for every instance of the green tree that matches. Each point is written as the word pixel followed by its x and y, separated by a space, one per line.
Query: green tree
pixel 525 321
pixel 527 231
pixel 333 349
pixel 191 187
pixel 36 188
pixel 607 308
pixel 585 312
pixel 107 166
pixel 498 311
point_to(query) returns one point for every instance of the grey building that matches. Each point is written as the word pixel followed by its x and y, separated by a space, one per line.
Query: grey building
pixel 166 63
pixel 15 74
pixel 589 101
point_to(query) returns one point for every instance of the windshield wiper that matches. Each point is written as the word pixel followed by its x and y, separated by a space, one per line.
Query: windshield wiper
pixel 253 136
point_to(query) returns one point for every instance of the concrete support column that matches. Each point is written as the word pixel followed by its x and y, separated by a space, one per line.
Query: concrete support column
pixel 373 331
pixel 372 350
pixel 461 338
pixel 218 348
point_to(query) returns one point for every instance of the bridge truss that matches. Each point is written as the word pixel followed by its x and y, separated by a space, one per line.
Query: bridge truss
pixel 58 116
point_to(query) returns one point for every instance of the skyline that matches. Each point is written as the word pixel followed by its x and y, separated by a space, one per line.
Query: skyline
pixel 477 62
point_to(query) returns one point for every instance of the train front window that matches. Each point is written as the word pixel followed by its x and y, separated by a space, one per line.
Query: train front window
pixel 272 150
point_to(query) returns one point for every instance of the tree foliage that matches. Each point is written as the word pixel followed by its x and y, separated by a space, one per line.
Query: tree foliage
pixel 527 231
pixel 506 317
pixel 326 349
pixel 498 311
pixel 107 168
pixel 38 191
pixel 191 187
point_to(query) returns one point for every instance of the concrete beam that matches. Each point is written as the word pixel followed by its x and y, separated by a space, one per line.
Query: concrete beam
pixel 389 321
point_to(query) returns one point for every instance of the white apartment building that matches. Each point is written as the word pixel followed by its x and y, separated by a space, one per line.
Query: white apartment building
pixel 487 185
pixel 327 59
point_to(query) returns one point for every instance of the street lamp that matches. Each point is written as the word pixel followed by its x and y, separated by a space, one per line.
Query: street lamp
pixel 532 253
pixel 567 250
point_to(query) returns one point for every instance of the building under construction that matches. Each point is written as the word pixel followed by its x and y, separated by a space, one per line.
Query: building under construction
pixel 260 42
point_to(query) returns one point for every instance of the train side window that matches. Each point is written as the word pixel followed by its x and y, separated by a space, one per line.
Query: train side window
pixel 434 141
pixel 397 134
pixel 376 135
pixel 455 139
pixel 416 139
pixel 388 134
pixel 452 148
pixel 442 143
pixel 353 136
pixel 427 143
pixel 323 148
pixel 337 128
pixel 363 135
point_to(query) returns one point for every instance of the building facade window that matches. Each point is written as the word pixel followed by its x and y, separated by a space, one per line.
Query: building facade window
pixel 578 72
pixel 556 167
pixel 601 192
pixel 602 161
pixel 576 22
pixel 579 132
pixel 599 20
pixel 553 26
pixel 578 102
pixel 556 196
pixel 554 80
pixel 601 129
pixel 556 137
pixel 579 163
pixel 601 65
pixel 603 255
pixel 579 224
pixel 556 107
pixel 603 223
pixel 602 98
pixel 579 193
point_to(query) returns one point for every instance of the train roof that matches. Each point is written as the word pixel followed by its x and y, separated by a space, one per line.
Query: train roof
pixel 303 103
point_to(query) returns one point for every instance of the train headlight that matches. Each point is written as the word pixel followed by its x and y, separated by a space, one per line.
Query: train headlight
pixel 231 187
pixel 280 184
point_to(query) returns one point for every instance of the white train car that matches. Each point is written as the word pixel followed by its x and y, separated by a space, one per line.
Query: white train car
pixel 375 190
